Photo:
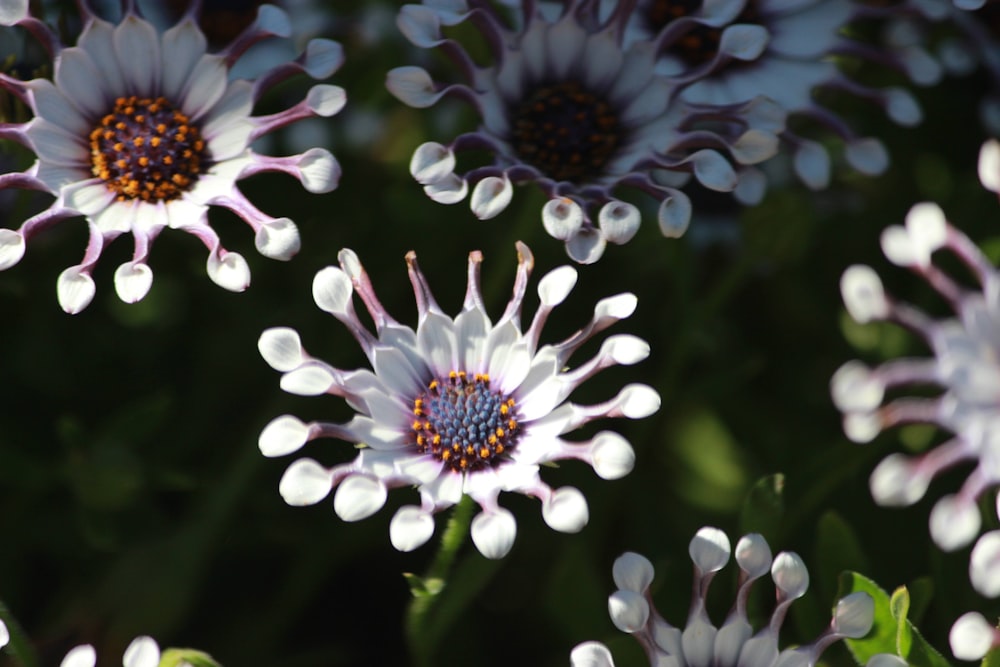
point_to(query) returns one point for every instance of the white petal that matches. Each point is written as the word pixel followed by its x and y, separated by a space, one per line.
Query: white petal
pixel 138 48
pixel 206 85
pixel 556 285
pixel 698 642
pixel 436 338
pixel 709 549
pixel 902 107
pixel 624 349
pixel 142 652
pixel 132 281
pixel 812 165
pixel 896 482
pixel 78 78
pixel 281 348
pixel 278 239
pixel 591 654
pixel 323 57
pixel 754 146
pixel 854 615
pixel 855 388
pixel 612 455
pixel 431 162
pixel 790 574
pixel 674 215
pixel 491 196
pixel 638 401
pixel 318 170
pixel 753 555
pixel 493 533
pixel 87 197
pixel 632 572
pixel 451 189
pixel 954 522
pixel 283 435
pixel 75 290
pixel 4 632
pixel 183 45
pixel 412 86
pixel 743 41
pixel 618 221
pixel 358 497
pixel 984 565
pixel 586 246
pixel 305 482
pixel 12 11
pixel 326 100
pixel 989 165
pixel 863 294
pixel 310 379
pixel 410 528
pixel 332 291
pixel 867 156
pixel 11 248
pixel 231 272
pixel 80 656
pixel 566 510
pixel 52 105
pixel 562 218
pixel 927 228
pixel 862 427
pixel 628 611
pixel 971 636
pixel 713 171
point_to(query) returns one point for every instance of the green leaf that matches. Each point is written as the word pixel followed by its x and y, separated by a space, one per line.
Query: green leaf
pixel 764 507
pixel 891 632
pixel 182 657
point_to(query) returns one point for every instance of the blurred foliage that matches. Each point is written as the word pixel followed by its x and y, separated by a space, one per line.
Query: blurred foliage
pixel 133 499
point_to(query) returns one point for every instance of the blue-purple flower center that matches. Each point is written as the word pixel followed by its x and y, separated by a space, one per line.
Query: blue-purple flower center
pixel 146 149
pixel 566 131
pixel 464 422
pixel 700 43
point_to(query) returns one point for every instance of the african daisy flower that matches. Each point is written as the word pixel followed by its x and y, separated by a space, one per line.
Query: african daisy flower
pixel 565 104
pixel 456 407
pixel 964 366
pixel 700 643
pixel 734 50
pixel 139 131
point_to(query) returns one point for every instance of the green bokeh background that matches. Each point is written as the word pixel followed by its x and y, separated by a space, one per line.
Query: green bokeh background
pixel 133 499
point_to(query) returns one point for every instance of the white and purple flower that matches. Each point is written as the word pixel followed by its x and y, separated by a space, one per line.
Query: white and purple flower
pixel 965 366
pixel 566 104
pixel 456 407
pixel 735 643
pixel 140 131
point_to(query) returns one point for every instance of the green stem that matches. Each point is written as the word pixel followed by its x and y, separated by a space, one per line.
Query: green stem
pixel 427 588
pixel 20 646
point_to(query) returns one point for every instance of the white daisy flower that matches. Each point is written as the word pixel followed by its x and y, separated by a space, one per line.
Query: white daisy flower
pixel 565 104
pixel 734 50
pixel 461 406
pixel 735 643
pixel 140 131
pixel 965 366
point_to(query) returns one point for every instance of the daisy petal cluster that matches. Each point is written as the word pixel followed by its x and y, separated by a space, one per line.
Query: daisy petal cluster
pixel 700 643
pixel 566 104
pixel 139 131
pixel 142 652
pixel 733 50
pixel 458 406
pixel 965 366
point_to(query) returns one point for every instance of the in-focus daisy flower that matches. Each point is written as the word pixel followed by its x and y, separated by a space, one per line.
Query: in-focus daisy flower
pixel 965 366
pixel 972 637
pixel 140 131
pixel 700 643
pixel 734 50
pixel 461 406
pixel 565 104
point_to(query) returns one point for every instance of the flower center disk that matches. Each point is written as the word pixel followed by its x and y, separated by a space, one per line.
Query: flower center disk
pixel 566 131
pixel 463 422
pixel 146 149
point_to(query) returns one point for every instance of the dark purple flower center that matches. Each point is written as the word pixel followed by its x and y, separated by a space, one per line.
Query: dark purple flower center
pixel 464 422
pixel 700 44
pixel 146 149
pixel 566 131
